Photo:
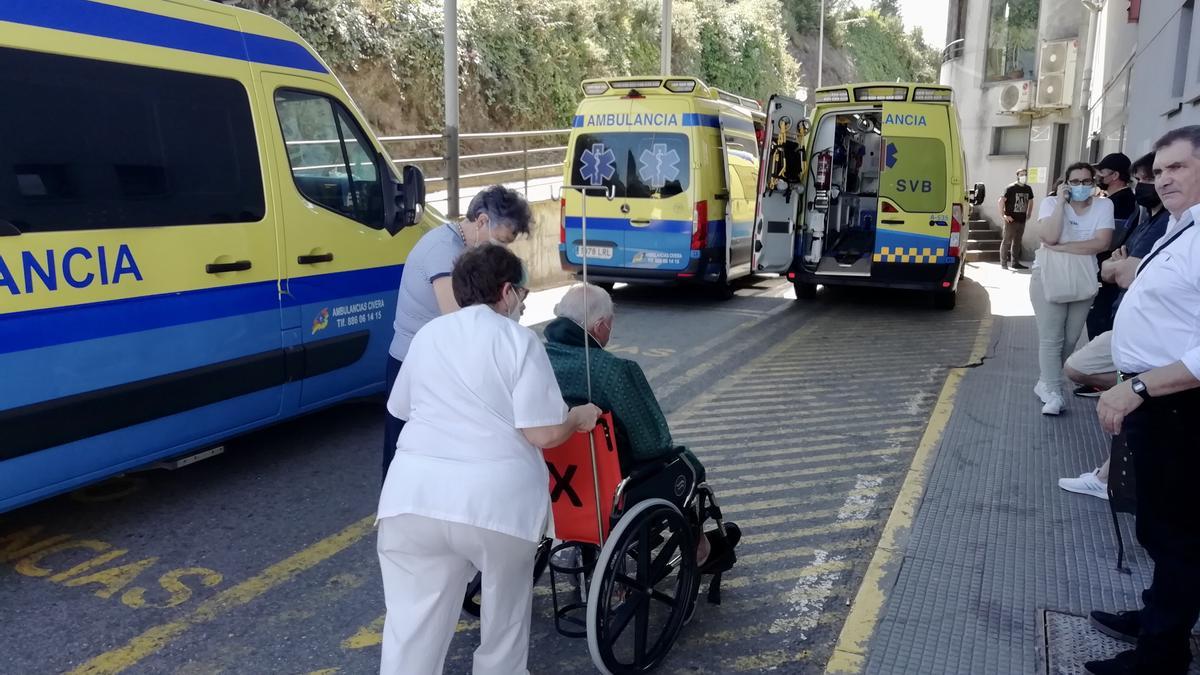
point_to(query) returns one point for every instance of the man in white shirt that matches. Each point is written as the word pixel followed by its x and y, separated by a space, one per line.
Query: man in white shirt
pixel 1156 347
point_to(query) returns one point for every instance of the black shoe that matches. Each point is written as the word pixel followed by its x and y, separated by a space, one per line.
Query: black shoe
pixel 1123 626
pixel 1087 391
pixel 1019 266
pixel 1124 663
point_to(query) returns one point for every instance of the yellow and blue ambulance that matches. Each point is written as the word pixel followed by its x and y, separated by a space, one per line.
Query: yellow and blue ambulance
pixel 665 170
pixel 871 191
pixel 199 236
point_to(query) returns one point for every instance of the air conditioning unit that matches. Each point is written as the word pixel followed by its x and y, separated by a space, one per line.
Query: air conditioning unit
pixel 1056 73
pixel 1014 97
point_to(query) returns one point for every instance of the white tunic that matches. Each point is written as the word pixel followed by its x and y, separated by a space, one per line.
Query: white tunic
pixel 1158 321
pixel 470 382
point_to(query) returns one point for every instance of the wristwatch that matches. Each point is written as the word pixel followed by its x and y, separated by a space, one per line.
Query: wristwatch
pixel 1139 388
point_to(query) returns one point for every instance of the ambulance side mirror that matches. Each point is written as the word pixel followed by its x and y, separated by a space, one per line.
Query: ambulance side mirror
pixel 978 194
pixel 404 202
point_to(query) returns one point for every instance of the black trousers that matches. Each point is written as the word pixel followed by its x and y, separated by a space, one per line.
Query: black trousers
pixel 392 425
pixel 1100 316
pixel 1164 437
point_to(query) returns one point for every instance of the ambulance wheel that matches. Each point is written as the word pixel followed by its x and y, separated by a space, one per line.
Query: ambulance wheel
pixel 805 290
pixel 723 289
pixel 642 586
pixel 471 598
pixel 606 285
pixel 945 299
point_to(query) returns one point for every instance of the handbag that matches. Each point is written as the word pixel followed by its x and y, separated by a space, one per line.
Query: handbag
pixel 1067 277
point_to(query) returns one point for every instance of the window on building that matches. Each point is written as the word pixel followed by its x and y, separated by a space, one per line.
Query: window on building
pixel 1135 10
pixel 1183 49
pixel 957 21
pixel 1012 40
pixel 92 144
pixel 1010 140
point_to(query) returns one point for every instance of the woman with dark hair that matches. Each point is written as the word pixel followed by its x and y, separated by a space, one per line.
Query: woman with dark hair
pixel 496 215
pixel 1075 222
pixel 466 490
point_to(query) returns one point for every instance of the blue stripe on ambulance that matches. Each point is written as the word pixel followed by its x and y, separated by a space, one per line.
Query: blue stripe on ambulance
pixel 905 242
pixel 185 331
pixel 131 25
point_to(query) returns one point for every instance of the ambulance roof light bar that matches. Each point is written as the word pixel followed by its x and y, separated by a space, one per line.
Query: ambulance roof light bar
pixel 594 88
pixel 635 84
pixel 897 93
pixel 833 96
pixel 932 94
pixel 681 86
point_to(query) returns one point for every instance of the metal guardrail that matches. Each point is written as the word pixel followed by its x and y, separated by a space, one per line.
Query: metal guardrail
pixel 524 152
pixel 953 50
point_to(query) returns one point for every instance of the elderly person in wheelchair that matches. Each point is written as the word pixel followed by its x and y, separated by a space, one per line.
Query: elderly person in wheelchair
pixel 619 386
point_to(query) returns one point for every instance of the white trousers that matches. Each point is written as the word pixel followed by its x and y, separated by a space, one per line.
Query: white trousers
pixel 426 564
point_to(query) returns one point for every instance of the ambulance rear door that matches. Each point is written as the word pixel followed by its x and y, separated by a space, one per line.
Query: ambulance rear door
pixel 780 186
pixel 739 158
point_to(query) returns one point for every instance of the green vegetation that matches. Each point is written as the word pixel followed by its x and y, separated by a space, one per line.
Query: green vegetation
pixel 521 61
pixel 883 51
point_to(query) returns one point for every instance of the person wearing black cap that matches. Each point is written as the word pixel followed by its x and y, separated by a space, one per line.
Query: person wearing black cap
pixel 1112 175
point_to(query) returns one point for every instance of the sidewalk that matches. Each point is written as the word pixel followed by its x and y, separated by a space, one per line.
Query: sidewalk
pixel 1000 567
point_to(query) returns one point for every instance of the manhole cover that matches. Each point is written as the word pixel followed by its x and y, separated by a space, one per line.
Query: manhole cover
pixel 1071 641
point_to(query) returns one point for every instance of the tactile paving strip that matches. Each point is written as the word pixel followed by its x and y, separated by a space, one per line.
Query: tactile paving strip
pixel 1071 641
pixel 995 538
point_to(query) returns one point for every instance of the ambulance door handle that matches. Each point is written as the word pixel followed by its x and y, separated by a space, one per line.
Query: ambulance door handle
pixel 314 259
pixel 235 266
pixel 636 221
pixel 892 221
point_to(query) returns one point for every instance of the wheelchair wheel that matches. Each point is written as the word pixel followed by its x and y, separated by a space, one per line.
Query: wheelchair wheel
pixel 471 598
pixel 643 584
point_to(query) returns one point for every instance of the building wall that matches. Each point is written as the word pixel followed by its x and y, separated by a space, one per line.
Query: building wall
pixel 979 110
pixel 1154 106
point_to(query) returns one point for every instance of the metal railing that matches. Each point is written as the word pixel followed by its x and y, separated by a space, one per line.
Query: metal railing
pixel 486 167
pixel 953 50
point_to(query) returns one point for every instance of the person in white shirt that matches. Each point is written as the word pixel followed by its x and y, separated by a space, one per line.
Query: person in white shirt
pixel 468 488
pixel 1078 222
pixel 1156 348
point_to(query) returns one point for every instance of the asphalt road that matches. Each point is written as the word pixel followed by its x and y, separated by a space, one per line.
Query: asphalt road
pixel 262 560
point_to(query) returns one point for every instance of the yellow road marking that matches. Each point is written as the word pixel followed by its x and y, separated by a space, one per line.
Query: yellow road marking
pixel 156 638
pixel 850 652
pixel 819 530
pixel 811 459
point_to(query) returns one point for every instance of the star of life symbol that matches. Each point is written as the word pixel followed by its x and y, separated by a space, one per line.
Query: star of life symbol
pixel 599 164
pixel 657 165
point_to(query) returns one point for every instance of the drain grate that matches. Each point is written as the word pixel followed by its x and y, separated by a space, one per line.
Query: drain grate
pixel 1070 641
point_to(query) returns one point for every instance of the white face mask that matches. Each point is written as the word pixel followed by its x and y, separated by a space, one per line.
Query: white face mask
pixel 515 310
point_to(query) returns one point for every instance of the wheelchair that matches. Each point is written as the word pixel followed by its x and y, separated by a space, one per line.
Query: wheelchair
pixel 629 547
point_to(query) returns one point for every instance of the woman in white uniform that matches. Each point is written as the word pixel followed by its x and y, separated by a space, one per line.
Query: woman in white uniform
pixel 467 489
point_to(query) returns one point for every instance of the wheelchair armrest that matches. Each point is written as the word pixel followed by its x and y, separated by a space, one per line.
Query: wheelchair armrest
pixel 643 471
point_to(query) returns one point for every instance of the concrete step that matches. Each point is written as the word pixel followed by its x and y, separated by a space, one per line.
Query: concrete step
pixel 983 256
pixel 983 244
pixel 978 226
pixel 985 235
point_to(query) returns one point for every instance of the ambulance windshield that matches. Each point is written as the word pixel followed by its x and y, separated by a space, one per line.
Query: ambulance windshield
pixel 635 164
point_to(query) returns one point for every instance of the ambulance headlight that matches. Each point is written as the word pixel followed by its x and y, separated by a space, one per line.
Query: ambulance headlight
pixel 595 88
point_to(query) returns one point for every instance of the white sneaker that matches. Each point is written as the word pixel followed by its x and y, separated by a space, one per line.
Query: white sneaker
pixel 1042 391
pixel 1086 484
pixel 1054 404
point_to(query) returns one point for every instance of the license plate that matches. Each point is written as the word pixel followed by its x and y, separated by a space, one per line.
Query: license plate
pixel 601 252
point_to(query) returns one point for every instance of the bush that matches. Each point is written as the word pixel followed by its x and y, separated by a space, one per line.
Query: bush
pixel 882 51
